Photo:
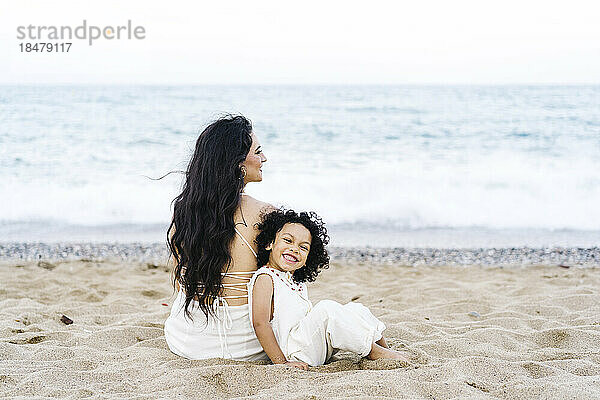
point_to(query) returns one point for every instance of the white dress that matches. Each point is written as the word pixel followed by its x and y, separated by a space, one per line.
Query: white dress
pixel 229 334
pixel 313 334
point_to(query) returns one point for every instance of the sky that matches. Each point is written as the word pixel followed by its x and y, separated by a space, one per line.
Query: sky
pixel 312 42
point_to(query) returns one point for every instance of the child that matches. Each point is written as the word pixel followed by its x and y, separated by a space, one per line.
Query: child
pixel 291 247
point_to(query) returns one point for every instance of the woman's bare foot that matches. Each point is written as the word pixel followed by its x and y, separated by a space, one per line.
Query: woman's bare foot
pixel 378 352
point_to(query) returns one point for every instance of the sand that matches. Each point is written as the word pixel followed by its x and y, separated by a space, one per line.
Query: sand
pixel 474 332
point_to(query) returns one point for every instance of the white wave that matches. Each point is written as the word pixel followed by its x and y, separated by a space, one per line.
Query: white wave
pixel 100 203
pixel 500 190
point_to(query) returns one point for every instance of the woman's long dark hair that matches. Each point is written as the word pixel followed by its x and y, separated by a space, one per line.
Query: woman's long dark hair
pixel 202 228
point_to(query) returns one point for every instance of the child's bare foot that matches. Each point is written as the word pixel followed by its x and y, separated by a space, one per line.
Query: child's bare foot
pixel 378 352
pixel 382 343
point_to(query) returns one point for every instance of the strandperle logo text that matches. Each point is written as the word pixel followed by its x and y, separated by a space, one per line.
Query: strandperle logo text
pixel 83 32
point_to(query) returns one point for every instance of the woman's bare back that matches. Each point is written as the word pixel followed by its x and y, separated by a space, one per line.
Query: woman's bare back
pixel 245 218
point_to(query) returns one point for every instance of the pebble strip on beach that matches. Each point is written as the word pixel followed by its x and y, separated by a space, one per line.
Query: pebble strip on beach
pixel 157 253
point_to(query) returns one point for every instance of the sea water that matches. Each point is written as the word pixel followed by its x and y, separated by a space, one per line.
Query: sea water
pixel 411 166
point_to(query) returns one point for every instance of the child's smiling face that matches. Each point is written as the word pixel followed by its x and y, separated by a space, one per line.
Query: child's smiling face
pixel 290 248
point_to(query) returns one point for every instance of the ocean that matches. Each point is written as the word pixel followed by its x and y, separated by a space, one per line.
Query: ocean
pixel 393 166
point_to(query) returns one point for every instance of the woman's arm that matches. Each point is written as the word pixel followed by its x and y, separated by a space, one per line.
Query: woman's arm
pixel 262 295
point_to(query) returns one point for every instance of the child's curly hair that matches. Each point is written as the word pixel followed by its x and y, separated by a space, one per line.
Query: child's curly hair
pixel 317 259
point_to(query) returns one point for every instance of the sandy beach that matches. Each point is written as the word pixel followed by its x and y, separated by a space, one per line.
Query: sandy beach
pixel 475 332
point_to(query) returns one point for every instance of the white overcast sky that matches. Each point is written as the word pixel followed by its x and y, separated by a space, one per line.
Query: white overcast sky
pixel 337 42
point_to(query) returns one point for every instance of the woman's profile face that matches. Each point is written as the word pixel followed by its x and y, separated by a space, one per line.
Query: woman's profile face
pixel 254 161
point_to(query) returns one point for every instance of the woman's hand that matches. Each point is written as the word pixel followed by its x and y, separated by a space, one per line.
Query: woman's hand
pixel 297 364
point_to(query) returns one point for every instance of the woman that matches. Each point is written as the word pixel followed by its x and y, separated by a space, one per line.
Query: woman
pixel 211 239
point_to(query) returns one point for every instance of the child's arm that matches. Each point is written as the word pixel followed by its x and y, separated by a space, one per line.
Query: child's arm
pixel 262 293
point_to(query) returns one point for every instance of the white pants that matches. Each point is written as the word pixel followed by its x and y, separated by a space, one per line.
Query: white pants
pixel 329 327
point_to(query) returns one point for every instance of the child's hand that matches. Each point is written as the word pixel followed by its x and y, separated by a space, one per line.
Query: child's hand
pixel 297 364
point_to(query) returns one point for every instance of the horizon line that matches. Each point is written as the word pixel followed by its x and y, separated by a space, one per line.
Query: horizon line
pixel 300 84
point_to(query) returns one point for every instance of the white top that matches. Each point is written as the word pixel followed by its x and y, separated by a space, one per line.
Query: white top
pixel 290 303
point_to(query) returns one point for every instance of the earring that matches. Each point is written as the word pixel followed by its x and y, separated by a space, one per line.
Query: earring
pixel 243 171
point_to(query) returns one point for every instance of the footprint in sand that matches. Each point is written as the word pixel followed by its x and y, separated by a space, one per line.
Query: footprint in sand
pixel 31 340
pixel 552 338
pixel 152 294
pixel 537 370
